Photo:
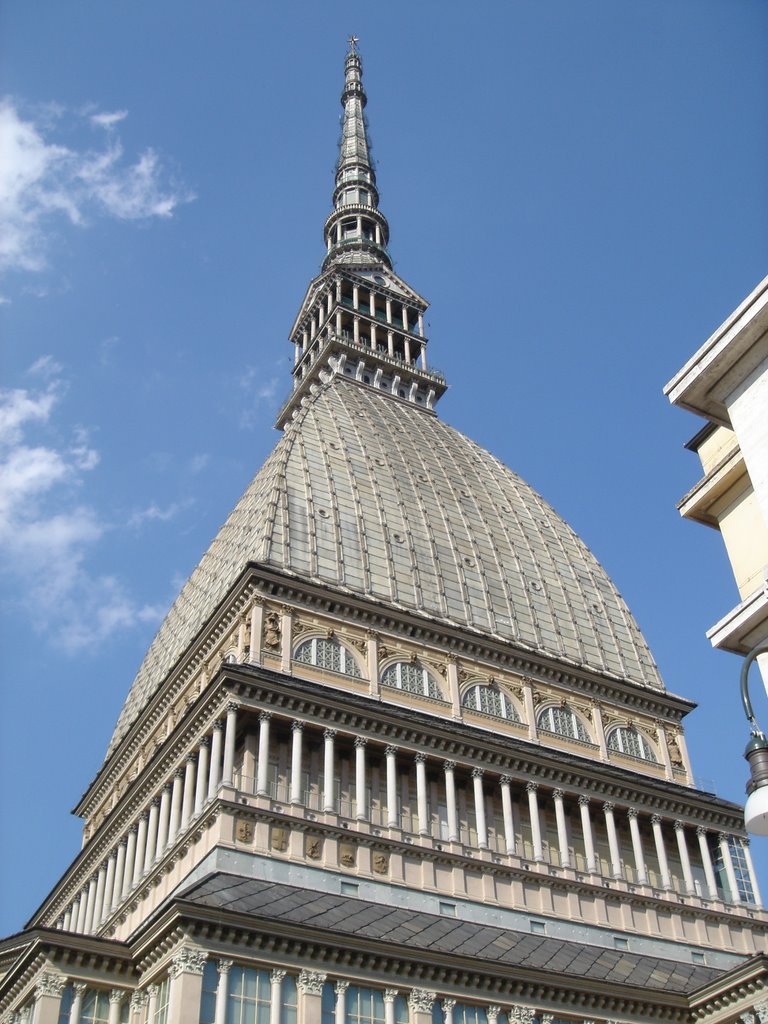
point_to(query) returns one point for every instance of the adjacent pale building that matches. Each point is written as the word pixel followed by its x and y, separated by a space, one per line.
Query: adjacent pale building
pixel 399 752
pixel 726 382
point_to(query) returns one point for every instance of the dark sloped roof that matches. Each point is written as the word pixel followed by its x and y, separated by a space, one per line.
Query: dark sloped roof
pixel 349 916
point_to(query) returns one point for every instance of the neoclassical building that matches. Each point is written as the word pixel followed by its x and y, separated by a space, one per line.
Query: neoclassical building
pixel 399 751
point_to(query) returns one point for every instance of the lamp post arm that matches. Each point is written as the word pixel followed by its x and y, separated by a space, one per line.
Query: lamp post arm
pixel 761 648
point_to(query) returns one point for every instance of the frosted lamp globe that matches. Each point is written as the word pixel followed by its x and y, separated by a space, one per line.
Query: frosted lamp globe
pixel 756 812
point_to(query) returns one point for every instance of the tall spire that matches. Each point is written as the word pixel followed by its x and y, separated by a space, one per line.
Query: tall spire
pixel 356 232
pixel 359 319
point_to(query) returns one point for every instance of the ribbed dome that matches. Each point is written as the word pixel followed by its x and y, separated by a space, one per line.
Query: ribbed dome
pixel 376 497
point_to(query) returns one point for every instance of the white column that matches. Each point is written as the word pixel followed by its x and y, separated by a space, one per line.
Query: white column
pixel 589 841
pixel 188 799
pixel 130 862
pixel 390 995
pixel 562 832
pixel 109 886
pixel 730 872
pixel 275 995
pixel 176 792
pixel 163 820
pixel 613 839
pixel 139 1000
pixel 116 997
pixel 482 830
pixel 448 1005
pixel 449 767
pixel 297 732
pixel 422 808
pixel 663 744
pixel 82 910
pixel 329 771
pixel 98 904
pixel 141 848
pixel 637 847
pixel 393 816
pixel 222 991
pixel 119 882
pixel 341 998
pixel 361 800
pixel 706 860
pixel 685 859
pixel 262 767
pixel 76 1008
pixel 201 779
pixel 214 769
pixel 151 845
pixel 533 810
pixel 90 905
pixel 74 914
pixel 751 869
pixel 229 743
pixel 152 1003
pixel 506 808
pixel 66 920
pixel 661 852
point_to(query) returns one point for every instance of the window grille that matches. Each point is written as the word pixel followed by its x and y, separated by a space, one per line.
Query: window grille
pixel 564 722
pixel 411 676
pixel 490 701
pixel 328 654
pixel 627 740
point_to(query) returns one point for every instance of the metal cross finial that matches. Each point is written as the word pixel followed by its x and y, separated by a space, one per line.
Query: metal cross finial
pixel 353 41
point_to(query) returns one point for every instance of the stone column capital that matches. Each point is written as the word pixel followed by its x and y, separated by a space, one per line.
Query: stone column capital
pixel 224 966
pixel 360 741
pixel 329 734
pixel 117 995
pixel 311 982
pixel 609 807
pixel 678 825
pixel 297 726
pixel 277 975
pixel 264 716
pixel 531 787
pixel 583 800
pixel 390 995
pixel 232 707
pixel 205 741
pixel 421 999
pixel 505 780
pixel 139 1000
pixel 557 794
pixel 477 773
pixel 449 766
pixel 218 724
pixel 187 961
pixel 420 758
pixel 632 813
pixel 391 750
pixel 341 987
pixel 50 984
pixel 655 819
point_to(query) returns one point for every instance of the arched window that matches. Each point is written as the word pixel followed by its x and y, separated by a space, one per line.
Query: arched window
pixel 327 653
pixel 627 740
pixel 560 719
pixel 491 701
pixel 410 676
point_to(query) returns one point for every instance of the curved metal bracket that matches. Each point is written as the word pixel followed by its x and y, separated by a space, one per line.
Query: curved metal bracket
pixel 761 648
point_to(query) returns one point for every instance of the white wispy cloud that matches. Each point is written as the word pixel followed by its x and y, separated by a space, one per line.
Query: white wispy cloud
pixel 46 534
pixel 155 513
pixel 259 390
pixel 44 183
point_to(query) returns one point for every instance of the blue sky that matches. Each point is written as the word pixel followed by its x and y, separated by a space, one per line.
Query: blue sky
pixel 579 189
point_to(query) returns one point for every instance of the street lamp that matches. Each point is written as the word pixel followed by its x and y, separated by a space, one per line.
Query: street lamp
pixel 756 807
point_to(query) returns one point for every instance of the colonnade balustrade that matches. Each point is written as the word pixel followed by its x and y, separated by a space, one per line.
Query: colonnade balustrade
pixel 168 815
pixel 417 794
pixel 414 792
